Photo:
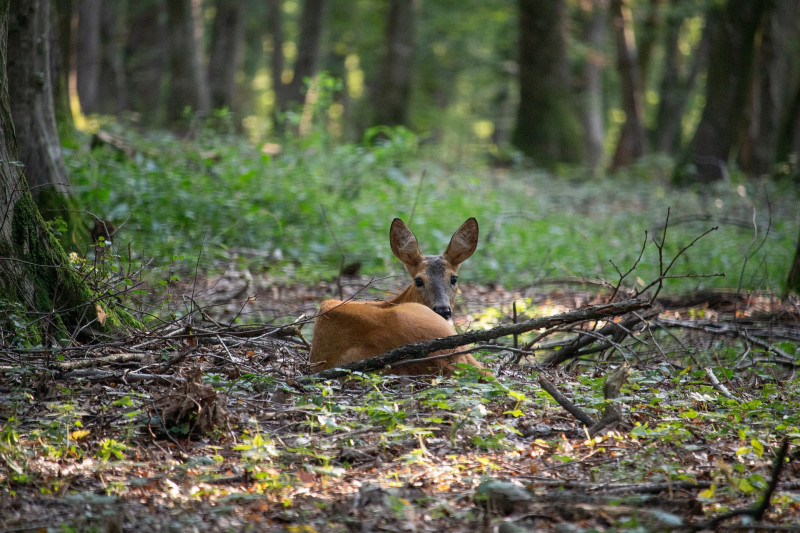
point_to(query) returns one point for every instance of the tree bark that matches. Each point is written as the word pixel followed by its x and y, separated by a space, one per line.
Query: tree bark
pixel 113 90
pixel 630 146
pixel 394 86
pixel 187 76
pixel 223 61
pixel 594 34
pixel 677 82
pixel 88 68
pixel 146 59
pixel 771 99
pixel 34 271
pixel 32 108
pixel 275 22
pixel 732 30
pixel 793 283
pixel 307 52
pixel 61 60
pixel 548 128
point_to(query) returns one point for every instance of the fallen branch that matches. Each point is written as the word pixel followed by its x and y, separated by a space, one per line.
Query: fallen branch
pixel 565 402
pixel 423 348
pixel 617 331
pixel 719 386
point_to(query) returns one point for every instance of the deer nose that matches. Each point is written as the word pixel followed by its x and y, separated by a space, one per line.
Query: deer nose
pixel 443 311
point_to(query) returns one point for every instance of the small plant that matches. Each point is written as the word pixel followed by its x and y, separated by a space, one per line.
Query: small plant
pixel 111 448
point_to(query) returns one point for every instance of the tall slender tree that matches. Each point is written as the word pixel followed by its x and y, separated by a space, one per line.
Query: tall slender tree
pixel 630 145
pixel 547 128
pixel 223 59
pixel 187 74
pixel 732 30
pixel 393 89
pixel 305 66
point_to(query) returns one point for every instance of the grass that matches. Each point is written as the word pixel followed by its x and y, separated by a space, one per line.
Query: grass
pixel 313 206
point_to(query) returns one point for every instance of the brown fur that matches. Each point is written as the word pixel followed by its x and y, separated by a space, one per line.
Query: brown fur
pixel 351 331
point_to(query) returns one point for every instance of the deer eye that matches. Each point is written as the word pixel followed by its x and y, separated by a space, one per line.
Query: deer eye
pixel 453 280
pixel 418 282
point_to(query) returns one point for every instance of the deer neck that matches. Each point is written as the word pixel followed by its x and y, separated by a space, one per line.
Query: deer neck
pixel 409 295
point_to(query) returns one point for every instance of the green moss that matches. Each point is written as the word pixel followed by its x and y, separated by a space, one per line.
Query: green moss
pixel 53 204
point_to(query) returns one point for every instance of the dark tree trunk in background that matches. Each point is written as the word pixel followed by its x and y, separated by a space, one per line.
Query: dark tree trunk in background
pixel 732 28
pixel 113 87
pixel 393 89
pixel 223 59
pixel 776 77
pixel 307 52
pixel 61 61
pixel 793 283
pixel 647 38
pixel 31 93
pixel 187 74
pixel 548 128
pixel 677 83
pixel 89 54
pixel 275 23
pixel 146 54
pixel 630 146
pixel 595 31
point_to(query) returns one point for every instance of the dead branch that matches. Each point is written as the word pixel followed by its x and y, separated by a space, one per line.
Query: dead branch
pixel 423 348
pixel 616 332
pixel 719 386
pixel 564 402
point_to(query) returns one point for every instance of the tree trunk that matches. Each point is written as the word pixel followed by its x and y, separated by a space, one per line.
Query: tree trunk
pixel 146 59
pixel 548 128
pixel 676 85
pixel 307 52
pixel 188 84
pixel 34 272
pixel 31 93
pixel 112 92
pixel 394 86
pixel 793 283
pixel 88 68
pixel 630 146
pixel 594 34
pixel 226 36
pixel 275 22
pixel 772 92
pixel 61 57
pixel 732 29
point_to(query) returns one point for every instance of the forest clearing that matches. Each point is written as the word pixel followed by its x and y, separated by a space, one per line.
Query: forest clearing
pixel 219 310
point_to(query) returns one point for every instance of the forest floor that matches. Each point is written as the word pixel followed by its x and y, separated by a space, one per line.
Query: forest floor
pixel 197 426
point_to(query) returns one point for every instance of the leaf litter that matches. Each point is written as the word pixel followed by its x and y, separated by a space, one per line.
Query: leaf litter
pixel 201 426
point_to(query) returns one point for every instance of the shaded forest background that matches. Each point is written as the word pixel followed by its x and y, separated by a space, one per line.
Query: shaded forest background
pixel 705 88
pixel 599 84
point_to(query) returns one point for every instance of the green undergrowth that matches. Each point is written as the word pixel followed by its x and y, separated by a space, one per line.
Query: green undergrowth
pixel 301 208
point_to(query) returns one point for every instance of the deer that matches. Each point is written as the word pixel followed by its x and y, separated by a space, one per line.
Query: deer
pixel 349 331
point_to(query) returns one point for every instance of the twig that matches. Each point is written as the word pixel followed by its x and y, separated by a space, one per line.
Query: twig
pixel 422 348
pixel 719 386
pixel 564 402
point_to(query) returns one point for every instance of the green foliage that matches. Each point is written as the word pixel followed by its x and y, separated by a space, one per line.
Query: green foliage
pixel 305 209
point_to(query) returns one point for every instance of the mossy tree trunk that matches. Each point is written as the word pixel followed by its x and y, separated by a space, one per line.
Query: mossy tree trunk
pixel 41 297
pixel 33 111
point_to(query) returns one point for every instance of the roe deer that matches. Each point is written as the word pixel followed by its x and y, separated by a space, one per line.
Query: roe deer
pixel 351 331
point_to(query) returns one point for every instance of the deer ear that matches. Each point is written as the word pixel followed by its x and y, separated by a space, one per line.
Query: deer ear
pixel 404 244
pixel 463 243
